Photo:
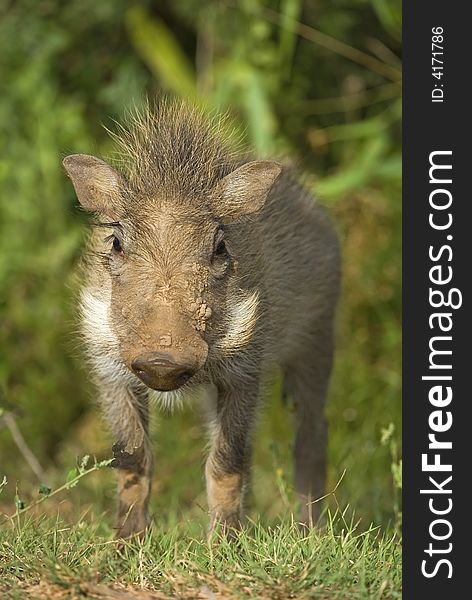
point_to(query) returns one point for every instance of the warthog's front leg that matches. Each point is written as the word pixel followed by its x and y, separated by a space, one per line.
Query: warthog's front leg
pixel 127 412
pixel 228 464
pixel 134 487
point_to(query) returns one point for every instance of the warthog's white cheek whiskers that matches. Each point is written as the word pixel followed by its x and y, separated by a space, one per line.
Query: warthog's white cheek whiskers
pixel 242 320
pixel 95 319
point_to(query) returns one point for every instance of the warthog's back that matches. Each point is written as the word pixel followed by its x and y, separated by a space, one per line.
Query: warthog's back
pixel 290 252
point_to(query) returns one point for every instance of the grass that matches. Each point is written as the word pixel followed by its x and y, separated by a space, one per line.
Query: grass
pixel 47 552
pixel 45 557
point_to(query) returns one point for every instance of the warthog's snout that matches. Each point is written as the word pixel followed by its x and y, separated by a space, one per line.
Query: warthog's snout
pixel 161 371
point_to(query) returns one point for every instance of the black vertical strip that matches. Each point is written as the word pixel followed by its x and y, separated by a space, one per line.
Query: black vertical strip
pixel 437 127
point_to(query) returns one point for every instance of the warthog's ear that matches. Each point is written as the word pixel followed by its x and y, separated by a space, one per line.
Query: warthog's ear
pixel 245 190
pixel 98 186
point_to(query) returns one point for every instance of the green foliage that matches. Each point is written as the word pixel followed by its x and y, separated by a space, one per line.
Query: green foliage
pixel 317 82
pixel 157 45
pixel 45 492
pixel 388 439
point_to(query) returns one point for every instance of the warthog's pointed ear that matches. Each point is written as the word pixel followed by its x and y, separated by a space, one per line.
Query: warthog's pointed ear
pixel 245 190
pixel 98 186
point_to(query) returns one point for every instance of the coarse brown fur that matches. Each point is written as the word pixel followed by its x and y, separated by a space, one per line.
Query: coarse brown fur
pixel 227 268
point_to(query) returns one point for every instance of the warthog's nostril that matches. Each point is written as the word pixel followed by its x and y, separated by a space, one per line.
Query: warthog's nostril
pixel 183 377
pixel 160 372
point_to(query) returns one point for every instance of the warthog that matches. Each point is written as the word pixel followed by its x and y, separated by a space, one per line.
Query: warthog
pixel 207 268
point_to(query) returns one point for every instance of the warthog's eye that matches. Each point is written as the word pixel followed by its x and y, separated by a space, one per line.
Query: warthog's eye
pixel 220 258
pixel 117 247
pixel 220 250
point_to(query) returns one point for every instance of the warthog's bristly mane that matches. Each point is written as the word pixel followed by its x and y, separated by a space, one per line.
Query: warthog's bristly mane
pixel 177 149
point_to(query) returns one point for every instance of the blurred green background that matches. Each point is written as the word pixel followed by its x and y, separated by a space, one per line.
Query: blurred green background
pixel 317 81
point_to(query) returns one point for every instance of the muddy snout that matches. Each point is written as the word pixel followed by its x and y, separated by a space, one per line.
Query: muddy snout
pixel 162 371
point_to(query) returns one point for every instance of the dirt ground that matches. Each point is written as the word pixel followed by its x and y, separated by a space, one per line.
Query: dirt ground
pixel 48 590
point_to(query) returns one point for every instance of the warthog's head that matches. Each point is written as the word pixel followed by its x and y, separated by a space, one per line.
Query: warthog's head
pixel 166 249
